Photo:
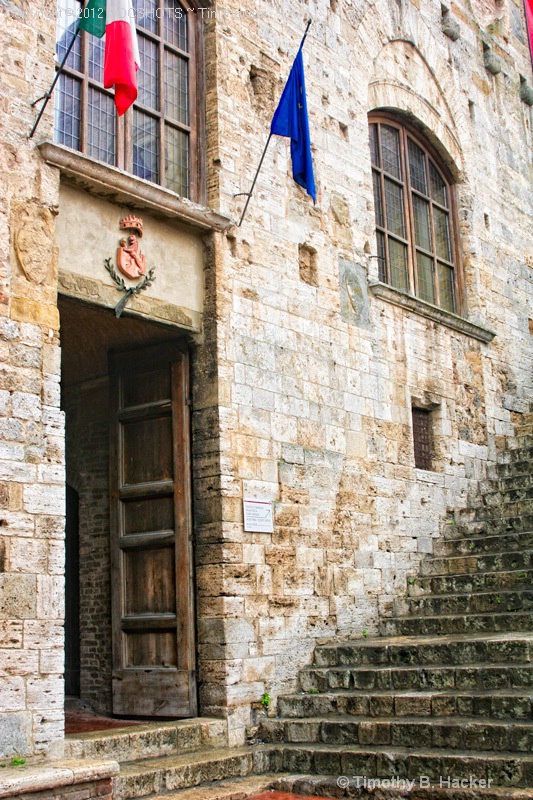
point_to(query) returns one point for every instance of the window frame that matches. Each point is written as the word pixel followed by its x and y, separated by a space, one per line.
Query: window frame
pixel 124 144
pixel 423 441
pixel 408 131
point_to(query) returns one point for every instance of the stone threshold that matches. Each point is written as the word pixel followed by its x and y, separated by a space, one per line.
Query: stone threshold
pixel 49 775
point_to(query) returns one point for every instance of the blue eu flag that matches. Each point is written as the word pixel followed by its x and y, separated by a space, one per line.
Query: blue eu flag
pixel 290 119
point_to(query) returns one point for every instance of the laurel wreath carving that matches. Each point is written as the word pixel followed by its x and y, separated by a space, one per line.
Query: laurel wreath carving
pixel 129 291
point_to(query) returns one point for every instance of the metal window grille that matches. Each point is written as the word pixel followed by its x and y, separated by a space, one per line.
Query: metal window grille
pixel 422 438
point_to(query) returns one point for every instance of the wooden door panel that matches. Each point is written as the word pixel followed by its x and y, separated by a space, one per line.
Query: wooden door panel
pixel 154 387
pixel 153 642
pixel 149 514
pixel 148 450
pixel 143 687
pixel 154 571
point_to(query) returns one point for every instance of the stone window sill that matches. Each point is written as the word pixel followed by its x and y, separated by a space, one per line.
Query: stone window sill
pixel 120 187
pixel 429 311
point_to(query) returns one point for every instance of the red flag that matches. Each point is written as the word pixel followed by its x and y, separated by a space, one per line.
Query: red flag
pixel 528 4
pixel 116 19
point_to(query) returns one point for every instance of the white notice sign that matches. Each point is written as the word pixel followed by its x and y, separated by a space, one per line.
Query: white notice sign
pixel 258 517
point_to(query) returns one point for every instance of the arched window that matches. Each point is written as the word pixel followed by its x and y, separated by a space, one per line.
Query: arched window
pixel 157 139
pixel 416 226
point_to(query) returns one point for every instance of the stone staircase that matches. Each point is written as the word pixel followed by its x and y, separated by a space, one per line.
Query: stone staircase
pixel 186 759
pixel 438 706
pixel 445 696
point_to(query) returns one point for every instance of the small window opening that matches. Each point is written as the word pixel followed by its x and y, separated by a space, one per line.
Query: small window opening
pixel 422 438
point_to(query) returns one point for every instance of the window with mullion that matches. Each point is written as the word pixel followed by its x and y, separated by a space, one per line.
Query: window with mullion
pixel 155 139
pixel 414 225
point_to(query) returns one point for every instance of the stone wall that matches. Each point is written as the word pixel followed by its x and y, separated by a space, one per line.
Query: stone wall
pixel 31 425
pixel 87 451
pixel 315 393
pixel 305 373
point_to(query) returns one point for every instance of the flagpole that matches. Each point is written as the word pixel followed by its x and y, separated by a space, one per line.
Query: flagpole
pixel 46 97
pixel 249 194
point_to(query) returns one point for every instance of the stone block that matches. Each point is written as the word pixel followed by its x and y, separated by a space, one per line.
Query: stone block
pixel 16 733
pixel 18 596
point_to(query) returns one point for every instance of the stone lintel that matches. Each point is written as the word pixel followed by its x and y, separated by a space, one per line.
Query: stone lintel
pixel 49 775
pixel 125 189
pixel 424 309
pixel 97 293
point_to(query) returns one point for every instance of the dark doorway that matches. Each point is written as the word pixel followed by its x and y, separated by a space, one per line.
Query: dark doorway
pixel 89 334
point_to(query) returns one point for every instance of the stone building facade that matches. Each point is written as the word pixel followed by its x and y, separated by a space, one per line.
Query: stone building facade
pixel 301 359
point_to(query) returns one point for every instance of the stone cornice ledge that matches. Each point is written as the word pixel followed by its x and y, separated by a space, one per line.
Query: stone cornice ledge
pixel 410 303
pixel 120 187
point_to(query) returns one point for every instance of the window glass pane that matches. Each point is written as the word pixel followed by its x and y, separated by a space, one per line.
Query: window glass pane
pixel 394 208
pixel 67 19
pixel 101 126
pixel 176 160
pixel 67 112
pixel 442 234
pixel 175 28
pixel 417 168
pixel 398 265
pixel 446 291
pixel 382 264
pixel 438 187
pixel 374 148
pixel 148 74
pixel 390 149
pixel 378 204
pixel 425 277
pixel 176 88
pixel 146 14
pixel 421 217
pixel 96 58
pixel 145 147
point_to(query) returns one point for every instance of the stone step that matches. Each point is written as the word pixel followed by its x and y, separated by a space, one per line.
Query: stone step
pixel 522 441
pixel 515 495
pixel 171 773
pixel 396 787
pixel 150 740
pixel 473 545
pixel 486 703
pixel 418 678
pixel 519 463
pixel 456 624
pixel 504 601
pixel 522 480
pixel 460 733
pixel 511 516
pixel 502 769
pixel 480 562
pixel 473 582
pixel 420 651
pixel 495 525
pixel 230 789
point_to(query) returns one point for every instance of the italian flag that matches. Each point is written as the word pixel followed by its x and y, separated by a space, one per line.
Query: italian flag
pixel 116 19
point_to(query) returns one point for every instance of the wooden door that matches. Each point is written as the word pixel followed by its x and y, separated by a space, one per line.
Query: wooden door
pixel 152 597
